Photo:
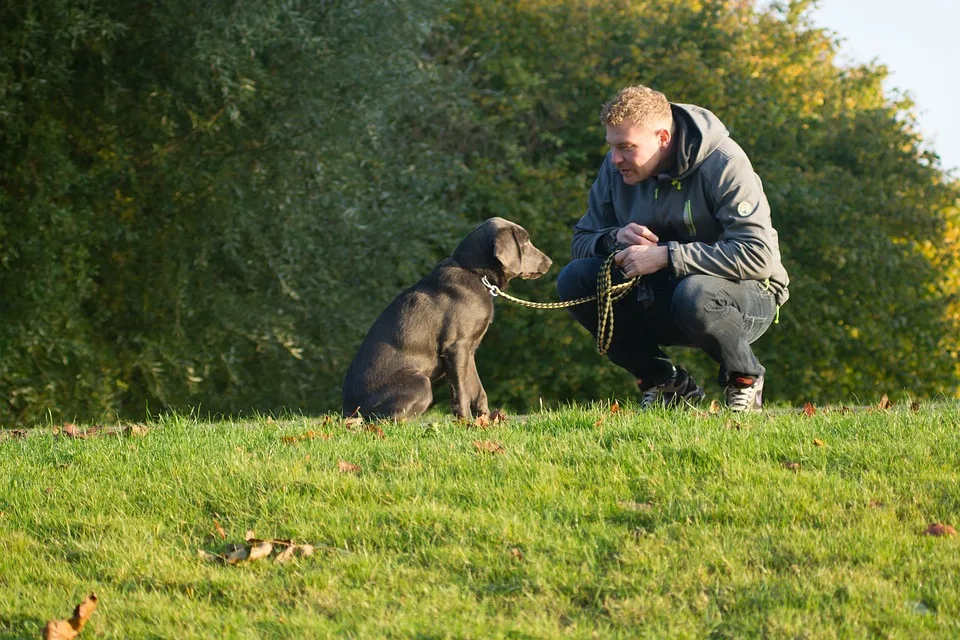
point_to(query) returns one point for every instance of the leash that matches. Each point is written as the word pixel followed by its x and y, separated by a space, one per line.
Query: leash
pixel 607 294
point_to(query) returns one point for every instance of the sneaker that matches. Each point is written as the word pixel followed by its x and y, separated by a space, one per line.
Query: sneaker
pixel 675 391
pixel 744 393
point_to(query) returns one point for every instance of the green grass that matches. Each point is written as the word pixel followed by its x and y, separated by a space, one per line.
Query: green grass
pixel 660 525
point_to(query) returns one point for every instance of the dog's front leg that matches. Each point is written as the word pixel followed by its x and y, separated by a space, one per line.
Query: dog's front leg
pixel 466 391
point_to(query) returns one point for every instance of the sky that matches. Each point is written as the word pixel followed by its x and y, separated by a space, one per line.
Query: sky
pixel 919 42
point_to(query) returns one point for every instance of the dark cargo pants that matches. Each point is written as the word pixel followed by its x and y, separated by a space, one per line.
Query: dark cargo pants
pixel 722 317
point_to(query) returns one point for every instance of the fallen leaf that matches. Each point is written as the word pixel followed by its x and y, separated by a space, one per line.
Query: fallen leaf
pixel 818 442
pixel 483 420
pixel 249 536
pixel 635 506
pixel 69 629
pixel 350 423
pixel 937 529
pixel 793 466
pixel 70 429
pixel 135 430
pixel 714 407
pixel 347 467
pixel 289 439
pixel 884 403
pixel 209 557
pixel 516 554
pixel 262 550
pixel 498 416
pixel 19 433
pixel 305 550
pixel 489 447
pixel 615 407
pixel 809 410
pixel 875 504
pixel 219 530
pixel 286 555
pixel 269 420
pixel 600 421
pixel 239 553
pixel 914 406
pixel 731 424
pixel 372 428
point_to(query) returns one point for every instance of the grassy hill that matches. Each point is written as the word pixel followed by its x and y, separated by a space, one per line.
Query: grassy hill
pixel 577 523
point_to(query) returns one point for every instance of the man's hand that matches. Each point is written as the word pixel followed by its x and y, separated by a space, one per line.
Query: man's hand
pixel 636 234
pixel 642 260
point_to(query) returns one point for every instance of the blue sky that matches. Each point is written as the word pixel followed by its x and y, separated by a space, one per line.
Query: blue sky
pixel 919 42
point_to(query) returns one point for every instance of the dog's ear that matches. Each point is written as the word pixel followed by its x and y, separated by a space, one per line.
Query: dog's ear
pixel 508 249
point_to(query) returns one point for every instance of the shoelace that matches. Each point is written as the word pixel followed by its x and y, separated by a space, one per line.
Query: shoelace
pixel 740 399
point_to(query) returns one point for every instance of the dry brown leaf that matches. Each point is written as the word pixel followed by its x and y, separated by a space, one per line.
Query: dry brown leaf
pixel 135 430
pixel 793 466
pixel 600 421
pixel 209 557
pixel 305 550
pixel 261 550
pixel 498 416
pixel 914 406
pixel 71 430
pixel 615 407
pixel 249 536
pixel 351 423
pixel 286 555
pixel 347 467
pixel 635 506
pixel 714 407
pixel 374 429
pixel 818 442
pixel 884 403
pixel 239 553
pixel 488 446
pixel 482 421
pixel 516 554
pixel 937 529
pixel 219 530
pixel 18 433
pixel 875 504
pixel 69 629
pixel 732 424
pixel 809 409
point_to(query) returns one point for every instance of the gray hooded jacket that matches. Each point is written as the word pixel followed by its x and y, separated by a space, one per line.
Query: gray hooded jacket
pixel 710 211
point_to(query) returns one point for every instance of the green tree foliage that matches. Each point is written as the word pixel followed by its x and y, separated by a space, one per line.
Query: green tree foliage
pixel 867 220
pixel 201 203
pixel 206 205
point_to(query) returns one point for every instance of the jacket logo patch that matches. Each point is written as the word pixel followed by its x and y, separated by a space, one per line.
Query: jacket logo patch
pixel 744 209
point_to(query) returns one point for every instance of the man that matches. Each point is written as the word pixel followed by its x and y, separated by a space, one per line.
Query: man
pixel 679 204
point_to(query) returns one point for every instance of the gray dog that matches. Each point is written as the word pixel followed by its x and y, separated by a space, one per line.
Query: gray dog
pixel 433 328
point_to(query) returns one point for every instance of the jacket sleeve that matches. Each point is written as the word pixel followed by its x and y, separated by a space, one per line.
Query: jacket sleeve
pixel 746 248
pixel 599 218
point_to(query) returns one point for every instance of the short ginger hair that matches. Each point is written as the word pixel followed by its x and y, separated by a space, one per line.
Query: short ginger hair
pixel 639 104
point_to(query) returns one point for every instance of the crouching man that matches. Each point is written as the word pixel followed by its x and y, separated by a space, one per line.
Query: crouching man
pixel 678 203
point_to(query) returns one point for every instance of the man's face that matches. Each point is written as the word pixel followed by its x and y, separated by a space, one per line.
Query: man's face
pixel 635 150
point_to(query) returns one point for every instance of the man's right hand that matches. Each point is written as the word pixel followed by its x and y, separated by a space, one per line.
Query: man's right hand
pixel 636 234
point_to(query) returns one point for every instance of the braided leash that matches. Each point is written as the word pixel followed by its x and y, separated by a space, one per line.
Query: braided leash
pixel 607 294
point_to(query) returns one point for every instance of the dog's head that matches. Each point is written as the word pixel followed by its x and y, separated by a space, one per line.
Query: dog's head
pixel 504 248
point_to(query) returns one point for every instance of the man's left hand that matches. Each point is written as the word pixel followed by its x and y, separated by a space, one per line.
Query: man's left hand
pixel 641 260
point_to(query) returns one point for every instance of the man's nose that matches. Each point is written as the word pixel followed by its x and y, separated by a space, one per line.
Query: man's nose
pixel 617 157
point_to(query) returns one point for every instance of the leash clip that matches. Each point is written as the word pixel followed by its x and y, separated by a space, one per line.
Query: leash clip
pixel 494 289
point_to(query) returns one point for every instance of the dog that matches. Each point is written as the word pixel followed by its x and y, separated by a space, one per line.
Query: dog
pixel 433 329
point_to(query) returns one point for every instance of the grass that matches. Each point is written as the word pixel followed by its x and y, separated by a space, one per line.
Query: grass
pixel 588 524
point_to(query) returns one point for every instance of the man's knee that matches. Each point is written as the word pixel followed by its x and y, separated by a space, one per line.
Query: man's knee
pixel 579 278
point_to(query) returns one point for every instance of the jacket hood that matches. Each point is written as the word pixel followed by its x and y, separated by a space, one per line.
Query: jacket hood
pixel 698 134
